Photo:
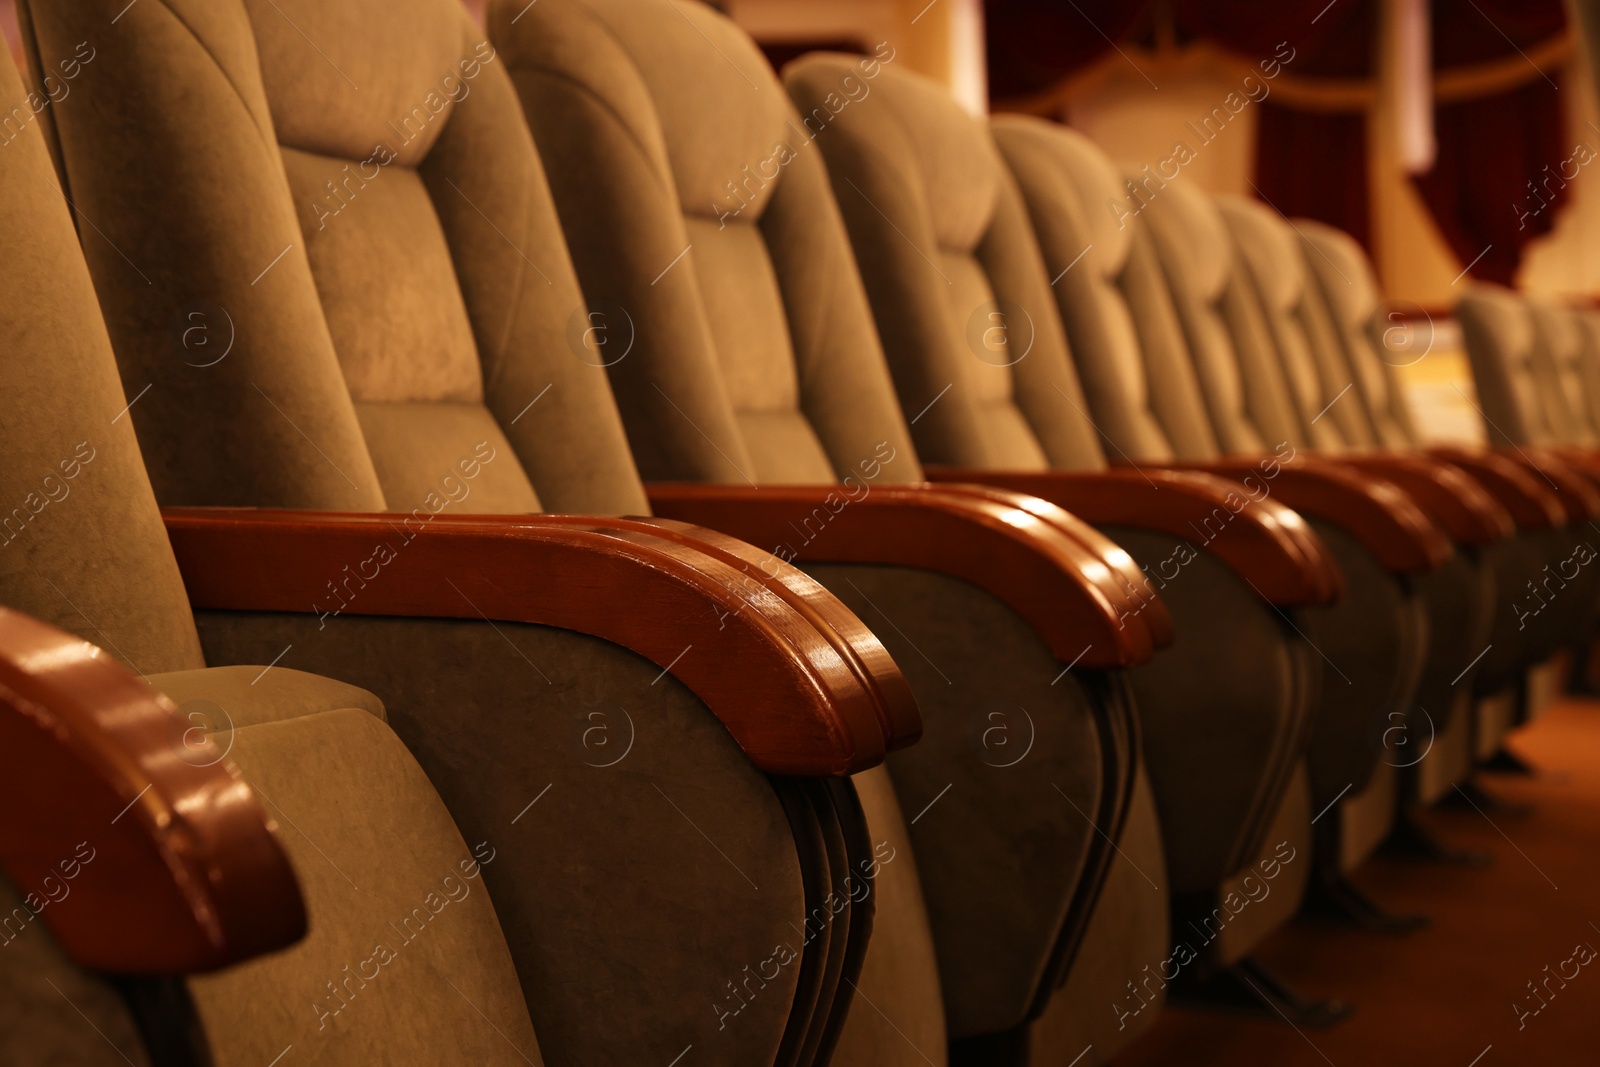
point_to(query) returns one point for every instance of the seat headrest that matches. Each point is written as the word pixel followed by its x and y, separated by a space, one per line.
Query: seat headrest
pixel 1190 235
pixel 1266 246
pixel 1342 268
pixel 409 69
pixel 666 67
pixel 1095 182
pixel 1495 320
pixel 1560 331
pixel 945 154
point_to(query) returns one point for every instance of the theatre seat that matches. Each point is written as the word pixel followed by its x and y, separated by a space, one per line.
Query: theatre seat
pixel 973 340
pixel 1162 382
pixel 261 764
pixel 1341 315
pixel 648 726
pixel 751 361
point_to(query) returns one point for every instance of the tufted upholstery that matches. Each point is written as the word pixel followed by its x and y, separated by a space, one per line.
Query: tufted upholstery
pixel 1345 279
pixel 1500 342
pixel 1144 398
pixel 371 172
pixel 1589 367
pixel 1560 337
pixel 1191 241
pixel 1189 286
pixel 95 561
pixel 424 321
pixel 956 285
pixel 759 362
pixel 756 361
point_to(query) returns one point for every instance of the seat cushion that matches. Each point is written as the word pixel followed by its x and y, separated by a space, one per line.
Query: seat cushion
pixel 405 961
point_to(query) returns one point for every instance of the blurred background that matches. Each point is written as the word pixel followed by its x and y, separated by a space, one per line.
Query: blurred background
pixel 1454 138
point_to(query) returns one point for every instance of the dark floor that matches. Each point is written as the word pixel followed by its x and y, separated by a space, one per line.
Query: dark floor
pixel 1445 995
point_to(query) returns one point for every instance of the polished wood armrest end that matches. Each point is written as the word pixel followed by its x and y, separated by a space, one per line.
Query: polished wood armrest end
pixel 1024 551
pixel 1267 544
pixel 792 696
pixel 134 840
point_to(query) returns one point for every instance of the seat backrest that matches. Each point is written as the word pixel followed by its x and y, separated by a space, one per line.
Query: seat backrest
pixel 360 269
pixel 1589 366
pixel 759 363
pixel 1499 336
pixel 1271 268
pixel 953 272
pixel 1210 292
pixel 1557 368
pixel 1339 267
pixel 1126 341
pixel 93 557
pixel 81 543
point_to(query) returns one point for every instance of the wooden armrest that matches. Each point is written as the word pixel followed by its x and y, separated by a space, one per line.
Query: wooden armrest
pixel 1016 548
pixel 1451 497
pixel 1582 458
pixel 1558 470
pixel 1266 543
pixel 1133 586
pixel 794 697
pixel 856 645
pixel 139 861
pixel 1533 504
pixel 1386 522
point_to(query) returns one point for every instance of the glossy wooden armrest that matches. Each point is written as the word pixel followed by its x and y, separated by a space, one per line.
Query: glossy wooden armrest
pixel 140 861
pixel 1017 548
pixel 780 684
pixel 1266 543
pixel 1451 497
pixel 857 645
pixel 1582 458
pixel 1385 521
pixel 1557 469
pixel 1133 586
pixel 1533 504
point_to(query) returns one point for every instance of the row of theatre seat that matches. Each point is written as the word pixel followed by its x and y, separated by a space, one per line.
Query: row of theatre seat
pixel 1033 592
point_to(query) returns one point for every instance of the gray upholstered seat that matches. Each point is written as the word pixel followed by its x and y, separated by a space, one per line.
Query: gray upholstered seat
pixel 1505 344
pixel 974 343
pixel 368 833
pixel 1148 312
pixel 358 299
pixel 753 359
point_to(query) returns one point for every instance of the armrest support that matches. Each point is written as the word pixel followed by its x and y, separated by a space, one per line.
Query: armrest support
pixel 1264 542
pixel 793 701
pixel 175 866
pixel 1533 504
pixel 1382 518
pixel 1016 548
pixel 1460 505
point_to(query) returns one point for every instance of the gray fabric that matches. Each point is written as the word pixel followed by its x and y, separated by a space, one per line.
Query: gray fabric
pixel 81 543
pixel 52 1013
pixel 951 266
pixel 1499 338
pixel 753 355
pixel 656 921
pixel 1341 270
pixel 1017 871
pixel 405 958
pixel 1131 923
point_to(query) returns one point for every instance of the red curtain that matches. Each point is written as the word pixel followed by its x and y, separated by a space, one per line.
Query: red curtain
pixel 1491 148
pixel 1307 163
pixel 1315 163
pixel 1033 45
